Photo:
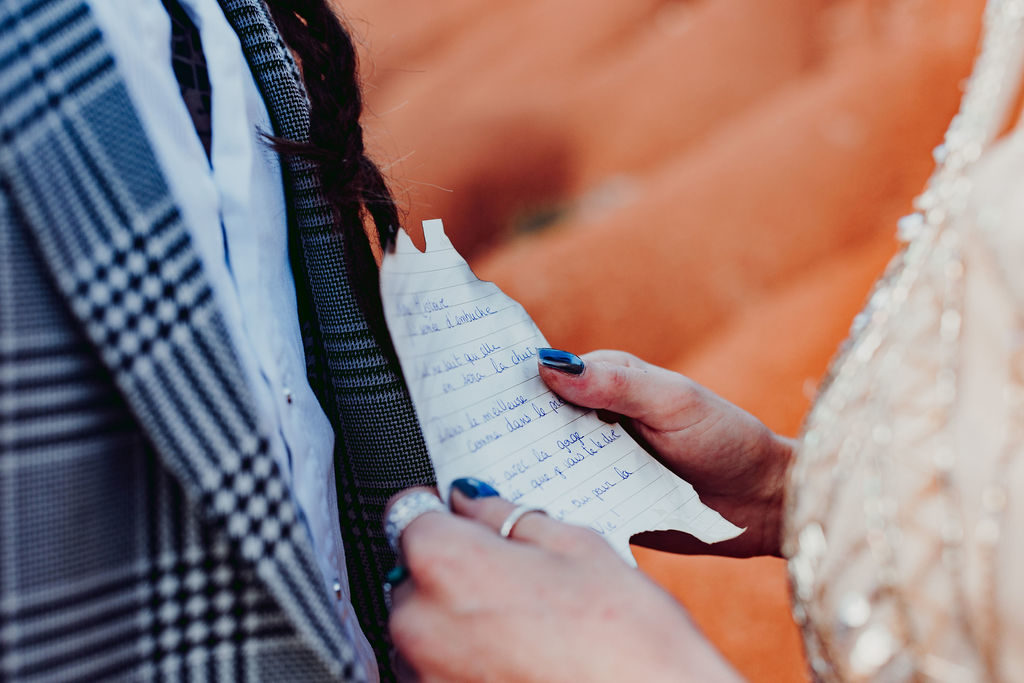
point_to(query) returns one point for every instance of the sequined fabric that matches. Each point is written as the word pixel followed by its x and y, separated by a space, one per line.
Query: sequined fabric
pixel 902 523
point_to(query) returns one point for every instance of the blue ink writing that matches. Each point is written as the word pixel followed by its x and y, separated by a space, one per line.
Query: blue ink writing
pixel 540 481
pixel 475 445
pixel 600 490
pixel 514 423
pixel 463 316
pixel 518 357
pixel 516 469
pixel 573 438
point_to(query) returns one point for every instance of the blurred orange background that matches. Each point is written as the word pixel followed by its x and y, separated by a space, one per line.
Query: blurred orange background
pixel 712 185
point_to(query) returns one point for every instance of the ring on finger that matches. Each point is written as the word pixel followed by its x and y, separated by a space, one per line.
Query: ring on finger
pixel 513 518
pixel 404 511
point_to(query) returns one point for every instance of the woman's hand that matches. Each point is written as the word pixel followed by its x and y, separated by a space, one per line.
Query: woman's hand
pixel 551 603
pixel 736 464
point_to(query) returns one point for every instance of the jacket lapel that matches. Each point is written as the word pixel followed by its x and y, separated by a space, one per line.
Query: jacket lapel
pixel 76 164
pixel 380 445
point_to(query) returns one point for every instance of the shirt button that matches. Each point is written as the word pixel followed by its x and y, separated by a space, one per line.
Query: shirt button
pixel 288 395
pixel 337 589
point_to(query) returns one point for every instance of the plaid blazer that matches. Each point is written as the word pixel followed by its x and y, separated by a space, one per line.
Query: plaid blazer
pixel 145 530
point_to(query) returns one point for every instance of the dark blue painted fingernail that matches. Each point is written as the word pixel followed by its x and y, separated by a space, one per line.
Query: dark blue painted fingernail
pixel 396 576
pixel 474 488
pixel 561 360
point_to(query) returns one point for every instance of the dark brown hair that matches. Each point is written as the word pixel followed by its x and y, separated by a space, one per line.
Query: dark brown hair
pixel 352 182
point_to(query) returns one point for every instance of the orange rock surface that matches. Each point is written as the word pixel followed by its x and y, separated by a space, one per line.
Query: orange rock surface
pixel 710 184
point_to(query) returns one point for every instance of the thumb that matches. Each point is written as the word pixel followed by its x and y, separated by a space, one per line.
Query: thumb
pixel 621 383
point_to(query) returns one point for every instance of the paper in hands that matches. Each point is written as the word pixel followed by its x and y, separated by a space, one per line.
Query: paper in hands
pixel 469 355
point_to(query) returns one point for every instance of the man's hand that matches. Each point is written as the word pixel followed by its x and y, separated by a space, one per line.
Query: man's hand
pixel 736 464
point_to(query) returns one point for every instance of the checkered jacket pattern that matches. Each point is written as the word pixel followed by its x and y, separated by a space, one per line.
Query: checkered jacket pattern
pixel 145 530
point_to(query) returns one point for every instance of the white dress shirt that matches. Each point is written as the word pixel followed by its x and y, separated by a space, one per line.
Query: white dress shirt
pixel 234 207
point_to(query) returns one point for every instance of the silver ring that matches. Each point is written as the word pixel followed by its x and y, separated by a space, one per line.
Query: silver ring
pixel 405 510
pixel 513 518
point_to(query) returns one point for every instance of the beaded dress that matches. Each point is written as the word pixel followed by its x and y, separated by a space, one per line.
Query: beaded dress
pixel 904 529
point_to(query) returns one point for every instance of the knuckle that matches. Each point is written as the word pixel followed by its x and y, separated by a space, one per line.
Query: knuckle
pixel 687 400
pixel 422 544
pixel 429 569
pixel 578 540
pixel 618 378
pixel 490 511
pixel 690 391
pixel 591 543
pixel 696 400
pixel 443 553
pixel 612 383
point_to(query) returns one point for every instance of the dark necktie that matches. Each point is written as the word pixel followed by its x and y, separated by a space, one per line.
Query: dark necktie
pixel 190 70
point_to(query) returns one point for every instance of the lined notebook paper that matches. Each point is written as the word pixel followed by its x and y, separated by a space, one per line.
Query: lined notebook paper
pixel 469 355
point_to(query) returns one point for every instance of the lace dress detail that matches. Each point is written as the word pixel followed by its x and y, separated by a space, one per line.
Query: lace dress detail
pixel 901 520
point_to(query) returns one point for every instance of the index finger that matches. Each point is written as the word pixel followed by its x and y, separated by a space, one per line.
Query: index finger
pixel 624 384
pixel 534 527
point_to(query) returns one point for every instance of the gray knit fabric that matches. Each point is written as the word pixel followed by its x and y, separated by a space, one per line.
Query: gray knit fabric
pixel 380 446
